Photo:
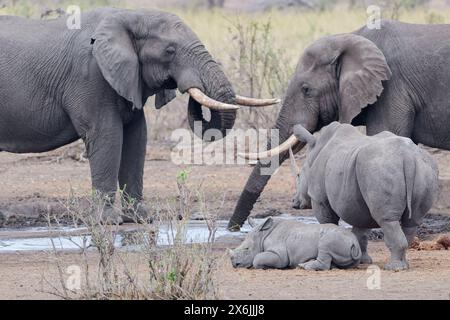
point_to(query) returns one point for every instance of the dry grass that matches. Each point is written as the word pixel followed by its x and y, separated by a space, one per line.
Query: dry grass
pixel 144 268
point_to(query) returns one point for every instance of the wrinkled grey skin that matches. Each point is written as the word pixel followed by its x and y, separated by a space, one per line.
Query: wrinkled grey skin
pixel 278 243
pixel 369 182
pixel 301 198
pixel 393 79
pixel 58 85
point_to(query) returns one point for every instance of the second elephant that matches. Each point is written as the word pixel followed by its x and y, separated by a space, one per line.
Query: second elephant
pixel 369 182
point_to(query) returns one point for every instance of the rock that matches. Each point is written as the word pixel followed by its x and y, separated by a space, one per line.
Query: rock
pixel 442 242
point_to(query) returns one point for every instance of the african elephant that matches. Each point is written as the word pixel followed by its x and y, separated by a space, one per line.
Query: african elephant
pixel 396 78
pixel 375 181
pixel 278 243
pixel 59 84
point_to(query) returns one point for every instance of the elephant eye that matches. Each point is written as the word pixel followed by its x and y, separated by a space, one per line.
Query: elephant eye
pixel 170 50
pixel 306 90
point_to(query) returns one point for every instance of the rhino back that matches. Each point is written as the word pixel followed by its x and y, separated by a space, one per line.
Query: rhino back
pixel 332 173
pixel 389 171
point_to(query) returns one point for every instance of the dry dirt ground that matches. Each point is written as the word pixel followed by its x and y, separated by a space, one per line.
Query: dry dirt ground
pixel 24 276
pixel 38 179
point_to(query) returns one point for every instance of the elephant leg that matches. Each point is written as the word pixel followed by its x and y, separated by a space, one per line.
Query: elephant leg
pixel 324 213
pixel 266 260
pixel 396 241
pixel 131 171
pixel 361 235
pixel 104 148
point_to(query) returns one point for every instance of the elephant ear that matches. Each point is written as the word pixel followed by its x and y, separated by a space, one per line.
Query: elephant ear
pixel 118 61
pixel 164 97
pixel 361 68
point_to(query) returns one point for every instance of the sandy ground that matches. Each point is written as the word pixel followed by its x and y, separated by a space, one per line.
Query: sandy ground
pixel 26 276
pixel 40 178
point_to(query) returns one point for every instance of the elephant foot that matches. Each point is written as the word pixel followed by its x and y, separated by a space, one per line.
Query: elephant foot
pixel 139 214
pixel 396 265
pixel 234 228
pixel 111 216
pixel 366 259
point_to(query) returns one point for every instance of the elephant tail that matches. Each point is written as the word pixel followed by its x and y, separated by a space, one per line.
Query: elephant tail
pixel 409 167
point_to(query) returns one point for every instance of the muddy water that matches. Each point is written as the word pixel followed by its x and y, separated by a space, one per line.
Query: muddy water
pixel 66 238
pixel 42 239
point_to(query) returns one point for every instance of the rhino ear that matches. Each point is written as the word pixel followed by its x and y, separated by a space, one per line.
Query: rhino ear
pixel 304 135
pixel 266 224
pixel 164 97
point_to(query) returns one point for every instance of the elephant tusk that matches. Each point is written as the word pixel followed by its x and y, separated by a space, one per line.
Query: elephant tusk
pixel 208 102
pixel 252 102
pixel 289 143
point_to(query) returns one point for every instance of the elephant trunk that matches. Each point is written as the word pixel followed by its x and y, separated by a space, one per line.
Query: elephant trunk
pixel 257 181
pixel 216 86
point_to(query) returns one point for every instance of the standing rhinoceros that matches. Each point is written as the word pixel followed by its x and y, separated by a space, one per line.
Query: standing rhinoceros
pixel 280 243
pixel 369 182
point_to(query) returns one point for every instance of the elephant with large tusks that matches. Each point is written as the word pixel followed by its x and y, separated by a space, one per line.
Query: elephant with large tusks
pixel 395 78
pixel 369 182
pixel 58 85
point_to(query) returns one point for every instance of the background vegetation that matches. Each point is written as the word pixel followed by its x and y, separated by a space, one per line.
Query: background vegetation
pixel 258 42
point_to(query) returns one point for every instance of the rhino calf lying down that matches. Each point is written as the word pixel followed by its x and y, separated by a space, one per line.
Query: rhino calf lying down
pixel 278 243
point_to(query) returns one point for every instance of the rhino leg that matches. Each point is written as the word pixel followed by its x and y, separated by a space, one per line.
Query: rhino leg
pixel 410 233
pixel 323 262
pixel 267 260
pixel 396 241
pixel 361 235
pixel 324 213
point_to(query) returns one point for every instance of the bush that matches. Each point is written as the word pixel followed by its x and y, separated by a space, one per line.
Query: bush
pixel 145 269
pixel 258 69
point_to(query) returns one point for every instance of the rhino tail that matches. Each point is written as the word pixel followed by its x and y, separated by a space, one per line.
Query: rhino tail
pixel 355 252
pixel 409 168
